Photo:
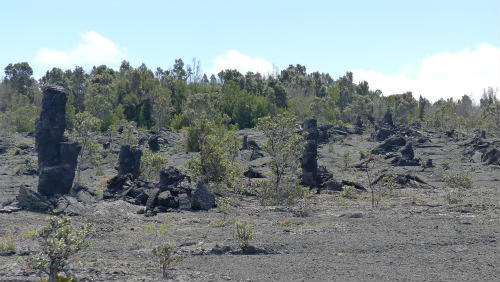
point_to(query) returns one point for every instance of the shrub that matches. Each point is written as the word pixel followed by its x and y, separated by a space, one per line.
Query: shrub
pixel 458 180
pixel 458 184
pixel 60 241
pixel 285 147
pixel 244 234
pixel 348 191
pixel 85 127
pixel 225 204
pixel 8 246
pixel 127 134
pixel 287 194
pixel 151 164
pixel 165 257
pixel 216 161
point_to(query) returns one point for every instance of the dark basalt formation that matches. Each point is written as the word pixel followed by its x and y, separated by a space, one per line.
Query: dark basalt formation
pixel 130 160
pixel 202 198
pixel 154 143
pixel 387 120
pixel 358 125
pixel 390 145
pixel 407 157
pixel 386 127
pixel 310 157
pixel 57 157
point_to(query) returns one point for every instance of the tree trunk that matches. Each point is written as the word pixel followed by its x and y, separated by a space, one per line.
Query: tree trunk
pixel 52 274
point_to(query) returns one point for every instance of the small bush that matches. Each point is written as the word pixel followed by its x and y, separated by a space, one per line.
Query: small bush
pixel 348 191
pixel 216 160
pixel 151 164
pixel 458 180
pixel 454 197
pixel 8 246
pixel 60 241
pixel 244 234
pixel 290 190
pixel 225 204
pixel 165 257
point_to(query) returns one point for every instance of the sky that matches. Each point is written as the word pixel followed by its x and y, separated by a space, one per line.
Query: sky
pixel 433 48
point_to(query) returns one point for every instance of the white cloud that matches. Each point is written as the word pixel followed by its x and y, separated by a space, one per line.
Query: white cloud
pixel 233 59
pixel 443 75
pixel 94 49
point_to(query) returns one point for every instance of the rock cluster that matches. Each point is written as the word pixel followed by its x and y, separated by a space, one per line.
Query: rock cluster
pixel 174 191
pixel 57 157
pixel 487 150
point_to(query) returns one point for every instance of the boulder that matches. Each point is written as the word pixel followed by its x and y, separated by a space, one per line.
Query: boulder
pixel 154 144
pixel 130 160
pixel 407 152
pixel 390 145
pixel 30 200
pixel 491 157
pixel 202 198
pixel 167 200
pixel 383 133
pixel 170 176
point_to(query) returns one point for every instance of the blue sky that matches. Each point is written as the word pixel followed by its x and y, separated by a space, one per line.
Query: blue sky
pixel 394 45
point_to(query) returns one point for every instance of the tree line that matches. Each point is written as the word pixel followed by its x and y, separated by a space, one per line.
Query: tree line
pixel 179 96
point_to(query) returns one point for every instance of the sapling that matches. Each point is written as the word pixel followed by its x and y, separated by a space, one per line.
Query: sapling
pixel 165 257
pixel 244 234
pixel 60 241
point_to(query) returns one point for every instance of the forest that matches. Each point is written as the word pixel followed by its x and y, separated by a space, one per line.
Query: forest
pixel 176 97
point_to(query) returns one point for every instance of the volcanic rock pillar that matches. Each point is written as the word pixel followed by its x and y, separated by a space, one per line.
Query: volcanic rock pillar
pixel 310 156
pixel 56 158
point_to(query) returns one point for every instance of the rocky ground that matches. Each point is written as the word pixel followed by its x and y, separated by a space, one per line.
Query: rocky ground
pixel 414 234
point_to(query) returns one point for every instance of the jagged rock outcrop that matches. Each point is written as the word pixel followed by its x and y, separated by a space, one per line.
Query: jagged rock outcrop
pixel 386 128
pixel 202 198
pixel 28 199
pixel 154 143
pixel 407 157
pixel 130 160
pixel 309 159
pixel 358 125
pixel 387 120
pixel 390 145
pixel 57 157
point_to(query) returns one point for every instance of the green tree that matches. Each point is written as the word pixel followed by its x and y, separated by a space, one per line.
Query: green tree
pixel 19 75
pixel 285 146
pixel 86 126
pixel 216 160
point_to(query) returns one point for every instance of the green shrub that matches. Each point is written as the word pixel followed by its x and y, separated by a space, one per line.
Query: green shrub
pixel 458 180
pixel 244 234
pixel 289 191
pixel 458 183
pixel 165 257
pixel 86 126
pixel 8 245
pixel 151 164
pixel 225 205
pixel 60 241
pixel 348 191
pixel 285 147
pixel 216 160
